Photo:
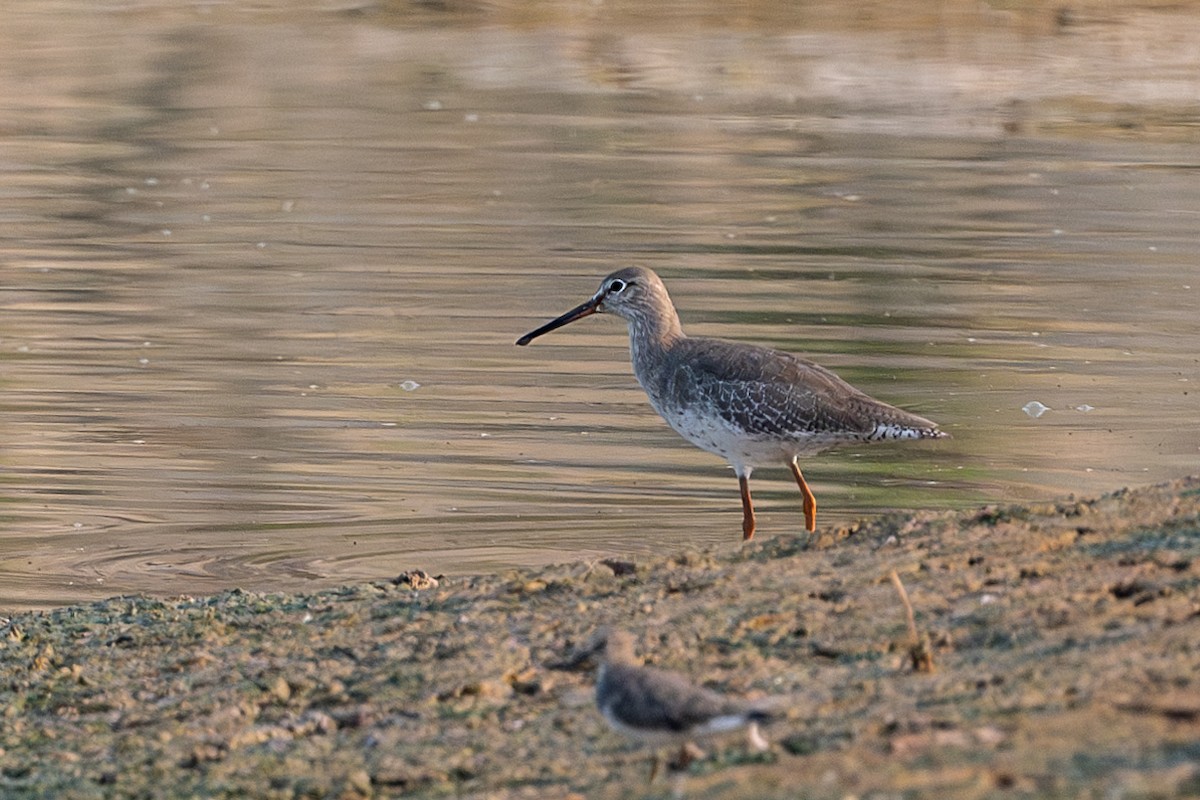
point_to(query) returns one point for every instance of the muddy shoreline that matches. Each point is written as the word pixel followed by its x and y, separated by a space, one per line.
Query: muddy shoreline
pixel 1065 639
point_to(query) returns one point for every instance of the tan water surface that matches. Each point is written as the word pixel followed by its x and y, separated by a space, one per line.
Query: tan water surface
pixel 263 267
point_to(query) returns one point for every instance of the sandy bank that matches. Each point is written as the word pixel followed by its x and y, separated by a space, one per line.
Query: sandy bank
pixel 1066 639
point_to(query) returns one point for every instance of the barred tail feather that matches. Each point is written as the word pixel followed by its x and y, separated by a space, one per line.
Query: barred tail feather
pixel 894 430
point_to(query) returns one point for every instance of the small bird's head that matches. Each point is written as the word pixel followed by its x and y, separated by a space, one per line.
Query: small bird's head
pixel 618 647
pixel 630 293
pixel 633 293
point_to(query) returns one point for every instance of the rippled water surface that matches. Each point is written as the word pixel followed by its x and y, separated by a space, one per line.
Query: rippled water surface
pixel 263 269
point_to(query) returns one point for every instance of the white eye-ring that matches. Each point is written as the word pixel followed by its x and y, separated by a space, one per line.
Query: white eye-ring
pixel 617 286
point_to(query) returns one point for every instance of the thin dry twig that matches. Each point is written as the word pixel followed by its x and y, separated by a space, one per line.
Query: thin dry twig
pixel 920 651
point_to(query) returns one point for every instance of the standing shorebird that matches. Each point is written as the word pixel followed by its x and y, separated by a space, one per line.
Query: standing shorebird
pixel 663 708
pixel 751 405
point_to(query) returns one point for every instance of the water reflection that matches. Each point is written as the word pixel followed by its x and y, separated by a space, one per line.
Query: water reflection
pixel 235 242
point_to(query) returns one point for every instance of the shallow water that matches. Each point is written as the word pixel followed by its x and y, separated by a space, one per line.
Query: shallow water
pixel 263 272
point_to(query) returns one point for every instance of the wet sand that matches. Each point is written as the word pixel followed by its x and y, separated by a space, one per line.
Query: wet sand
pixel 1064 638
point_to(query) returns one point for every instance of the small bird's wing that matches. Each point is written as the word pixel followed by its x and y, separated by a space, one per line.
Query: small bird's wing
pixel 771 393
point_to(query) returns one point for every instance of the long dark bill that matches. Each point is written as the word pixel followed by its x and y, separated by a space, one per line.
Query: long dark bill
pixel 579 312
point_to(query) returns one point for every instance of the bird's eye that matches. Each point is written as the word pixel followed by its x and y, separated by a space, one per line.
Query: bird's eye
pixel 617 286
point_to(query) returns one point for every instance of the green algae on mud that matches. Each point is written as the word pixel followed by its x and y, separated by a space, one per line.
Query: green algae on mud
pixel 1066 638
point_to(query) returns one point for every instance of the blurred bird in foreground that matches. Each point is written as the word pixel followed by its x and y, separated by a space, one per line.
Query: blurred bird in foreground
pixel 663 708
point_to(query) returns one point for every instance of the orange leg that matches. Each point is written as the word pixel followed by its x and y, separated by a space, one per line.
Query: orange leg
pixel 747 508
pixel 810 502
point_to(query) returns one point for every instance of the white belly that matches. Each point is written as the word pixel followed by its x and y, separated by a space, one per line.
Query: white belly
pixel 738 448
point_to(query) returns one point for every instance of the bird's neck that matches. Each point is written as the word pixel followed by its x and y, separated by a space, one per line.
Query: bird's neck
pixel 649 340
